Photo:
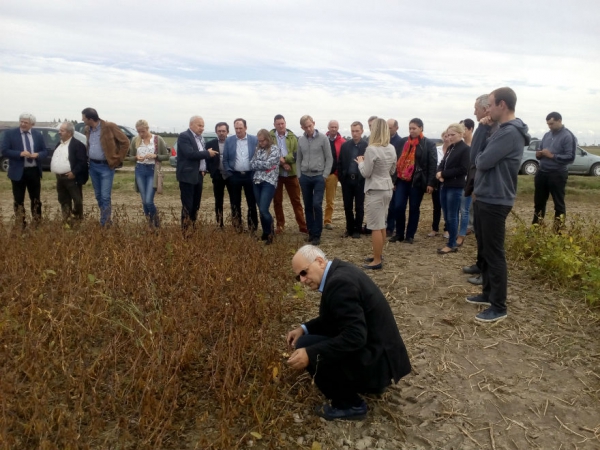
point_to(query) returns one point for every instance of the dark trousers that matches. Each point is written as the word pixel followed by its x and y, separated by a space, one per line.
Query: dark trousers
pixel 238 182
pixel 353 194
pixel 30 182
pixel 191 194
pixel 219 185
pixel 331 379
pixel 70 197
pixel 437 211
pixel 407 194
pixel 546 184
pixel 391 215
pixel 313 189
pixel 490 228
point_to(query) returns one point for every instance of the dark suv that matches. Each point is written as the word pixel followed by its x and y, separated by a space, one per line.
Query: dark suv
pixel 51 138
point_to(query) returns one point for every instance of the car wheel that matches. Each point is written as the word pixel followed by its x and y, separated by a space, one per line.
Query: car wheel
pixel 4 164
pixel 530 168
pixel 595 170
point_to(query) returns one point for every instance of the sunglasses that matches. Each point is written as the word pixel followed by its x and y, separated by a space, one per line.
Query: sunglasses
pixel 302 273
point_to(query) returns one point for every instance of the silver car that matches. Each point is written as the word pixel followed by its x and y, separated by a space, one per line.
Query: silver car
pixel 585 163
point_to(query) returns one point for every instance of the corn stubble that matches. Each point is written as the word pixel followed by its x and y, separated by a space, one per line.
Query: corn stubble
pixel 125 338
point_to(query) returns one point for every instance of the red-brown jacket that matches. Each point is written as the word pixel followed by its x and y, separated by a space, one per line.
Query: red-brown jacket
pixel 114 143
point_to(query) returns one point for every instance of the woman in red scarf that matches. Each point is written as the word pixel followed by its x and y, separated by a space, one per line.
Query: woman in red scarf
pixel 415 175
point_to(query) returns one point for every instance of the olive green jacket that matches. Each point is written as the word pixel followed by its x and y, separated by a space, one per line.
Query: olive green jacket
pixel 291 142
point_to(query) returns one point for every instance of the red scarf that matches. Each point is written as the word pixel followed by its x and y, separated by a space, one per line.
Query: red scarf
pixel 405 167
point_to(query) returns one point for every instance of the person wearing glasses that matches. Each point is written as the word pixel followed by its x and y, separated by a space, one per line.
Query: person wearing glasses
pixel 354 346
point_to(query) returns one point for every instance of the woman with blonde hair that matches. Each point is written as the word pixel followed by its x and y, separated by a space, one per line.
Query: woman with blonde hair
pixel 147 150
pixel 265 164
pixel 452 172
pixel 377 166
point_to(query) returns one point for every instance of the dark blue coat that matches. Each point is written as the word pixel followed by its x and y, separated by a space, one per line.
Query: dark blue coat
pixel 12 146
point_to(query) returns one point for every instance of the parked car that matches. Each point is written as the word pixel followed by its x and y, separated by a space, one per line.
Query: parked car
pixel 585 163
pixel 208 136
pixel 129 132
pixel 51 138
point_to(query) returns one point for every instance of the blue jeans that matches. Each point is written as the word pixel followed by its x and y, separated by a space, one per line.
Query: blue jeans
pixel 144 179
pixel 313 189
pixel 102 179
pixel 407 194
pixel 450 199
pixel 264 193
pixel 465 208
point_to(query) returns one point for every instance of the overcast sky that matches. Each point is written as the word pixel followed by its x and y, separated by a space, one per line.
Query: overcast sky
pixel 344 60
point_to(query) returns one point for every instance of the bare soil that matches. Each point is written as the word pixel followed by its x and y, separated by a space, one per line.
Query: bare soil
pixel 530 381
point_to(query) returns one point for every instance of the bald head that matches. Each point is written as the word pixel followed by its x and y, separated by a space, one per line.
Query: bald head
pixel 333 128
pixel 393 126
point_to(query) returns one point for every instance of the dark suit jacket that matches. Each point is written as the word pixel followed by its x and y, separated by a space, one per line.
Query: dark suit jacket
pixel 188 158
pixel 12 146
pixel 425 163
pixel 214 161
pixel 344 160
pixel 230 151
pixel 78 160
pixel 364 338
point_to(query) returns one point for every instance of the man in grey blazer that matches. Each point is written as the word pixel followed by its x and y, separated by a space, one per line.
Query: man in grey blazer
pixel 238 152
pixel 191 167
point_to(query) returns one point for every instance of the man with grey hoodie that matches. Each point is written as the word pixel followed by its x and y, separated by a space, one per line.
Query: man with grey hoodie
pixel 313 164
pixel 494 195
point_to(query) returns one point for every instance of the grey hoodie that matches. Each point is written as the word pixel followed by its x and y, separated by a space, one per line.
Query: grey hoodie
pixel 499 162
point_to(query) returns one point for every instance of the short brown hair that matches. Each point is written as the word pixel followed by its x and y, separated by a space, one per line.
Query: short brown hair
pixel 507 95
pixel 357 124
pixel 304 118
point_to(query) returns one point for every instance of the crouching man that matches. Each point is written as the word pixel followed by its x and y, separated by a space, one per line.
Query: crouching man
pixel 354 346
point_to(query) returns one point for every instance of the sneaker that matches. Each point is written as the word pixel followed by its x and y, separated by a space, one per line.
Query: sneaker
pixel 396 238
pixel 477 281
pixel 328 412
pixel 490 315
pixel 478 300
pixel 328 226
pixel 471 270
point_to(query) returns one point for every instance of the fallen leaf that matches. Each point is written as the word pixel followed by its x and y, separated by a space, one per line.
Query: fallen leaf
pixel 315 446
pixel 256 435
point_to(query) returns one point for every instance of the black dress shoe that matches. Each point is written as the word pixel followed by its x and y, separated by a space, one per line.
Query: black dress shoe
pixel 368 260
pixel 356 235
pixel 396 238
pixel 316 241
pixel 471 270
pixel 409 241
pixel 375 267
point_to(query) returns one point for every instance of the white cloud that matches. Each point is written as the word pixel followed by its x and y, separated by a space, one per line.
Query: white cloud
pixel 338 59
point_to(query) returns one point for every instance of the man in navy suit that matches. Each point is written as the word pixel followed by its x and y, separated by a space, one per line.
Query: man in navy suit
pixel 192 157
pixel 238 153
pixel 25 150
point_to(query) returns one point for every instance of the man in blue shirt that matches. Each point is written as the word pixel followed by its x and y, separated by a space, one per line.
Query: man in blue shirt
pixel 557 151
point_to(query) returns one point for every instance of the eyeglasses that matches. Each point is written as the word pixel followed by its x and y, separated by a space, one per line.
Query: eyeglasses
pixel 302 273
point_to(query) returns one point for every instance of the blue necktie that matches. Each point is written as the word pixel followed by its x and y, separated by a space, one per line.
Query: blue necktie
pixel 28 145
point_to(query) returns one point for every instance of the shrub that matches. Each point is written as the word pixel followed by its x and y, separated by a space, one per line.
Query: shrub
pixel 569 258
pixel 127 338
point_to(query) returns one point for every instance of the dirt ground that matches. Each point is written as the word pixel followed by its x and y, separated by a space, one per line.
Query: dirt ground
pixel 531 381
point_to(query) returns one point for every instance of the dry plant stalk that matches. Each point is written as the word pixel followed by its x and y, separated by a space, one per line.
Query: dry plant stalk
pixel 129 338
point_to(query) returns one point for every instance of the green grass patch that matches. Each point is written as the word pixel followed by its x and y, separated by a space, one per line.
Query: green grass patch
pixel 568 259
pixel 577 185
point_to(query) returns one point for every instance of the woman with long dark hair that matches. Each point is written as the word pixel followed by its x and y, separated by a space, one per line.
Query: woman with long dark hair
pixel 415 175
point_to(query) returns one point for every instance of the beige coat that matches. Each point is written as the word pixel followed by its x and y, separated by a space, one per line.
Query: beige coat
pixel 378 166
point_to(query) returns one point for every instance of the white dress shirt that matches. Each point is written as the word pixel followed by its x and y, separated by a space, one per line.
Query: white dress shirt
pixel 60 159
